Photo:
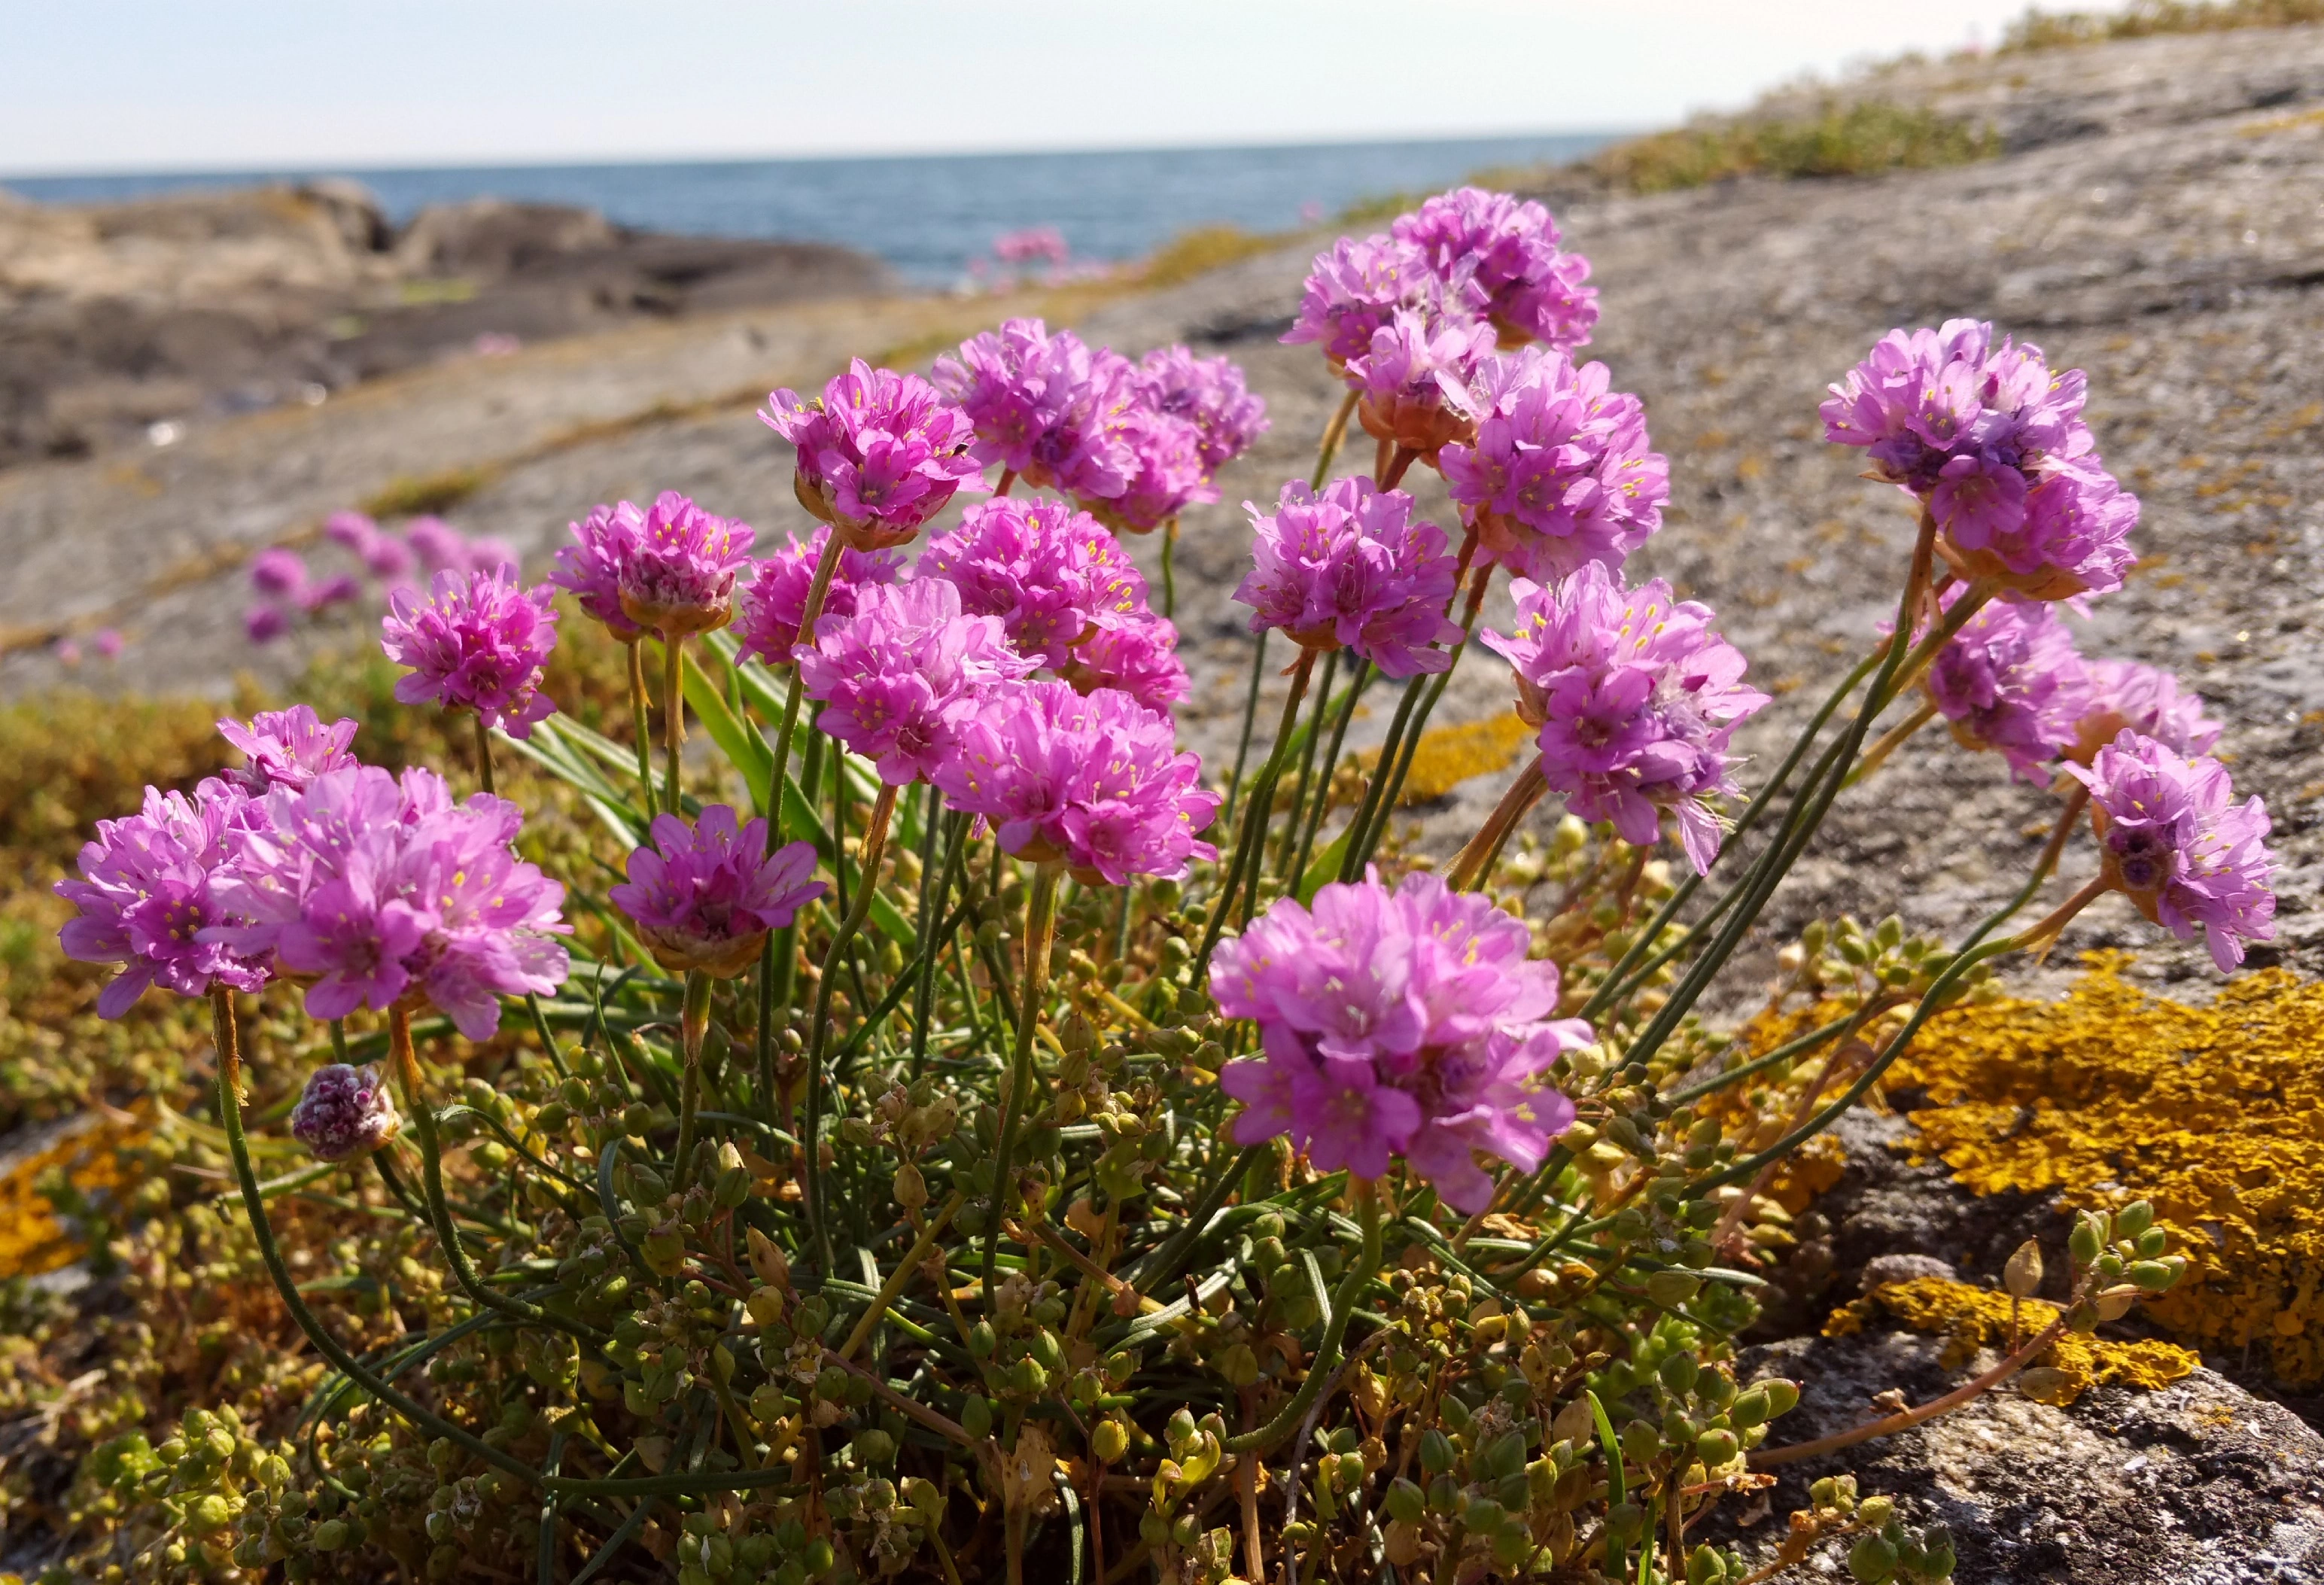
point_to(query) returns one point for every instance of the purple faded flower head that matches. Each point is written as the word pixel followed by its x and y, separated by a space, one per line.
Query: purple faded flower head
pixel 679 578
pixel 2127 696
pixel 288 748
pixel 107 642
pixel 1095 782
pixel 590 569
pixel 1397 1024
pixel 478 643
pixel 1357 289
pixel 1636 698
pixel 336 590
pixel 898 675
pixel 2012 681
pixel 148 892
pixel 1139 657
pixel 262 625
pixel 1506 249
pixel 1208 393
pixel 344 1112
pixel 1045 407
pixel 279 572
pixel 379 889
pixel 1560 472
pixel 354 532
pixel 439 545
pixel 1413 379
pixel 1349 567
pixel 2174 841
pixel 1052 575
pixel 879 454
pixel 1166 474
pixel 1994 443
pixel 705 896
pixel 769 608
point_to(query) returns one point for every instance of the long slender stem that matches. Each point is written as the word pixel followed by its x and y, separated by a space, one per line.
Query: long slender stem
pixel 673 715
pixel 1352 864
pixel 1307 764
pixel 924 924
pixel 1256 813
pixel 483 752
pixel 1249 721
pixel 1361 851
pixel 1040 922
pixel 1322 1368
pixel 1322 806
pixel 641 728
pixel 1890 742
pixel 693 1023
pixel 1169 572
pixel 1475 860
pixel 875 839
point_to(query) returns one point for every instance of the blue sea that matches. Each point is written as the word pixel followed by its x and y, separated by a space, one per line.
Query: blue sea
pixel 929 216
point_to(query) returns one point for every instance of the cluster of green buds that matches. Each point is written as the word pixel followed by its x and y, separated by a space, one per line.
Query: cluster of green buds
pixel 1171 1525
pixel 2117 1259
pixel 1848 965
pixel 193 1489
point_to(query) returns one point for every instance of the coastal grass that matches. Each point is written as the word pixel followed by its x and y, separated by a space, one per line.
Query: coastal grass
pixel 1866 137
pixel 2052 29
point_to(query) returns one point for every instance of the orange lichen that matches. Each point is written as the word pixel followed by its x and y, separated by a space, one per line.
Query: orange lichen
pixel 93 1158
pixel 1973 1319
pixel 2214 1114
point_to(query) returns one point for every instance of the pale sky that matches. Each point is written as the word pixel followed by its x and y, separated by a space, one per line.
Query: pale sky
pixel 138 84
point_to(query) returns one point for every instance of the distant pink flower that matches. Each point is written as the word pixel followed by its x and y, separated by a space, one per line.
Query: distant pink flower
pixel 2174 841
pixel 1350 567
pixel 1635 697
pixel 898 675
pixel 107 642
pixel 478 643
pixel 1095 783
pixel 1407 1024
pixel 1034 243
pixel 278 572
pixel 288 748
pixel 679 578
pixel 2144 699
pixel 1045 407
pixel 590 569
pixel 67 652
pixel 769 607
pixel 1560 472
pixel 261 624
pixel 336 590
pixel 355 530
pixel 148 891
pixel 1507 250
pixel 1415 377
pixel 705 896
pixel 2012 681
pixel 879 453
pixel 439 545
pixel 344 1112
pixel 1209 394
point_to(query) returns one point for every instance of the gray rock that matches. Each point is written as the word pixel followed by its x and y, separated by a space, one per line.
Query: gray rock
pixel 1887 1268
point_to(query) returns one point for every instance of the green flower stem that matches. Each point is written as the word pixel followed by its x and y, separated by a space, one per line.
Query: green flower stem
pixel 1161 1266
pixel 1892 740
pixel 483 752
pixel 1320 1369
pixel 1249 721
pixel 1351 865
pixel 932 932
pixel 439 1212
pixel 673 715
pixel 640 729
pixel 1291 828
pixel 875 838
pixel 693 1023
pixel 1365 672
pixel 1360 851
pixel 1256 814
pixel 1475 861
pixel 1170 574
pixel 1040 923
pixel 893 1288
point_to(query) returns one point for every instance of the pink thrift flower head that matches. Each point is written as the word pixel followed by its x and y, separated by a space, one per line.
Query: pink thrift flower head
pixel 879 453
pixel 1209 393
pixel 149 892
pixel 2126 695
pixel 107 642
pixel 378 890
pixel 1994 445
pixel 1052 575
pixel 1355 289
pixel 287 748
pixel 2175 842
pixel 336 590
pixel 1094 783
pixel 1415 377
pixel 1166 474
pixel 769 607
pixel 1560 472
pixel 2012 681
pixel 705 896
pixel 344 1112
pixel 1350 567
pixel 439 545
pixel 590 569
pixel 354 532
pixel 898 675
pixel 278 572
pixel 679 578
pixel 261 624
pixel 1635 697
pixel 1507 250
pixel 478 643
pixel 1406 1024
pixel 1139 657
pixel 1045 407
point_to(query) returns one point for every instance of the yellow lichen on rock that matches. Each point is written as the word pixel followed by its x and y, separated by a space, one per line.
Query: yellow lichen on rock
pixel 1447 756
pixel 2215 1113
pixel 91 1156
pixel 1973 1319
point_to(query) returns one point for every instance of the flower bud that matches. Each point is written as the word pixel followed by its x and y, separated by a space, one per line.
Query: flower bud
pixel 2023 1274
pixel 2134 1219
pixel 1872 1561
pixel 344 1112
pixel 2086 1241
pixel 1109 1440
pixel 976 1415
pixel 911 1190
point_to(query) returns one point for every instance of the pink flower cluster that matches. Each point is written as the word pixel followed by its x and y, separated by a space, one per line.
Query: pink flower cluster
pixel 287 591
pixel 478 642
pixel 770 605
pixel 1504 251
pixel 2175 842
pixel 2011 681
pixel 1350 567
pixel 1992 442
pixel 705 896
pixel 898 675
pixel 1635 697
pixel 1398 1025
pixel 1095 782
pixel 668 569
pixel 1560 471
pixel 1066 596
pixel 879 454
pixel 288 748
pixel 344 1112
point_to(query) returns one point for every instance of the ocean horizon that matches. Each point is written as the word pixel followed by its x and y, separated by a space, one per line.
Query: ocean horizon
pixel 927 216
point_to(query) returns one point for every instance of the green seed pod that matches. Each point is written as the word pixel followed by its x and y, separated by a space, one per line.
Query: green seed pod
pixel 1679 1372
pixel 1028 1376
pixel 1453 1412
pixel 976 1415
pixel 1782 1397
pixel 2153 1276
pixel 1435 1451
pixel 1506 1456
pixel 874 1447
pixel 1406 1504
pixel 1716 1448
pixel 1641 1440
pixel 329 1535
pixel 1749 1408
pixel 1705 1567
pixel 1110 1440
pixel 818 1557
pixel 2152 1242
pixel 1444 1494
pixel 1877 1512
pixel 2087 1239
pixel 1872 1561
pixel 2134 1219
pixel 1625 1521
pixel 1483 1515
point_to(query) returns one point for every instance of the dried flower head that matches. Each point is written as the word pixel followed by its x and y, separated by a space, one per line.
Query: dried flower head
pixel 705 896
pixel 344 1112
pixel 477 644
pixel 1350 567
pixel 879 453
